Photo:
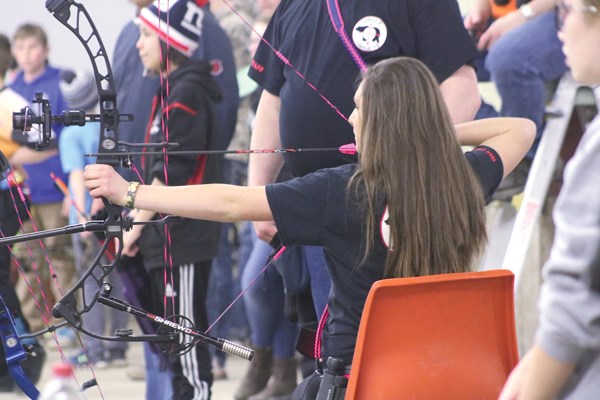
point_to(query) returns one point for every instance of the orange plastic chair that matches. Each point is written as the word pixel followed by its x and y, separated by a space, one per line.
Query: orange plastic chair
pixel 448 336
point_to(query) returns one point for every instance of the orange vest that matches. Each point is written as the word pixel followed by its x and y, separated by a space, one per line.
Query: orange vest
pixel 500 11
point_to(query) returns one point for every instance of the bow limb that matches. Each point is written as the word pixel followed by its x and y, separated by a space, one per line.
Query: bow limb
pixel 76 18
pixel 73 15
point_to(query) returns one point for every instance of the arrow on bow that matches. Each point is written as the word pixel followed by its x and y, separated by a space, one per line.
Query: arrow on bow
pixel 75 17
pixel 72 15
pixel 125 157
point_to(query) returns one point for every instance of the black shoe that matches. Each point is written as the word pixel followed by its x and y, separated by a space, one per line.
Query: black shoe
pixel 116 358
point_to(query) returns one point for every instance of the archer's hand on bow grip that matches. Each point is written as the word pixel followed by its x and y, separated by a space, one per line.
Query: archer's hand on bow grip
pixel 103 181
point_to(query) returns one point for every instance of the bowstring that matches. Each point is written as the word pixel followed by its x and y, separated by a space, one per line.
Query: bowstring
pixel 164 124
pixel 52 271
pixel 164 120
pixel 168 273
pixel 287 62
pixel 47 322
pixel 270 260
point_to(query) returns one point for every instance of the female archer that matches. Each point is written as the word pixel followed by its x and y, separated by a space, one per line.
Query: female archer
pixel 413 205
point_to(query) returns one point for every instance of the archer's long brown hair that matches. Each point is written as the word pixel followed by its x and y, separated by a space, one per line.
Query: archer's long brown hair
pixel 410 157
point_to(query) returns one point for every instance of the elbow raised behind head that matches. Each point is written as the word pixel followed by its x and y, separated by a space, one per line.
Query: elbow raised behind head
pixel 529 131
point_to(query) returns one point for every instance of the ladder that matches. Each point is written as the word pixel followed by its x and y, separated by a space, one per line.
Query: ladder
pixel 511 231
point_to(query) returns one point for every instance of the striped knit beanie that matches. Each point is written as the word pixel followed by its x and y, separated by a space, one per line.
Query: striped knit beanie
pixel 177 22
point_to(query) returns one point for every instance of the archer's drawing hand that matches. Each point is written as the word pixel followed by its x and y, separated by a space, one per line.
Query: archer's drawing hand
pixel 265 230
pixel 103 181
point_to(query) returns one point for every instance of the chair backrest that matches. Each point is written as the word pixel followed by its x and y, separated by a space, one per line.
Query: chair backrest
pixel 448 336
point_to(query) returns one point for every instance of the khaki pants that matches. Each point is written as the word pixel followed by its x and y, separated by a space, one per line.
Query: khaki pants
pixel 44 285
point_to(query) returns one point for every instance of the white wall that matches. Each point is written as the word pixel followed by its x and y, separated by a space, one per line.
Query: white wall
pixel 109 16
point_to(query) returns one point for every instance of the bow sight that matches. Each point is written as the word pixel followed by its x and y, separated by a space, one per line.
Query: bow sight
pixel 24 120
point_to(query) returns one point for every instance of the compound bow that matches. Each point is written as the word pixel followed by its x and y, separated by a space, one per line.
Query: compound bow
pixel 76 18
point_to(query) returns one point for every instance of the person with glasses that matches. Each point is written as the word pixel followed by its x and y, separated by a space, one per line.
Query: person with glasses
pixel 520 53
pixel 564 362
pixel 563 9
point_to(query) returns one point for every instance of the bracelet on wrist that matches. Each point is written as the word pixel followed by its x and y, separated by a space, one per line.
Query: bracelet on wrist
pixel 131 192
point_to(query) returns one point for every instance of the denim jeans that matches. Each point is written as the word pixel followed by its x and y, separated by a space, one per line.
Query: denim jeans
pixel 224 285
pixel 98 319
pixel 520 63
pixel 158 383
pixel 320 281
pixel 264 302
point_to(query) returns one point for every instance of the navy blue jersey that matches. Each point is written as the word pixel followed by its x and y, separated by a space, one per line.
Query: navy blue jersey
pixel 430 30
pixel 316 210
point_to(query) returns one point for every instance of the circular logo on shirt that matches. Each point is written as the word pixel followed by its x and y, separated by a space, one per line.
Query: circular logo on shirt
pixel 369 33
pixel 384 227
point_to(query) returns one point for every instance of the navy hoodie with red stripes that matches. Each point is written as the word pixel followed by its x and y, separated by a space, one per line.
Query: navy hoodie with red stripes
pixel 183 112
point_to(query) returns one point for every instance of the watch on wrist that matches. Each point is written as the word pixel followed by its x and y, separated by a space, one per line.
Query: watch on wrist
pixel 527 11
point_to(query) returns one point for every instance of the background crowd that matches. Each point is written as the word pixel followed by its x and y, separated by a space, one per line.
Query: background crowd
pixel 217 86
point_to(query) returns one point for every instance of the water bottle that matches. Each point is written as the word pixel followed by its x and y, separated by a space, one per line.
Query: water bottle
pixel 61 386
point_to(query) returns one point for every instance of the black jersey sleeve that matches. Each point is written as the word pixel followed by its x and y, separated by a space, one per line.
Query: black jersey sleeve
pixel 298 208
pixel 488 167
pixel 442 42
pixel 266 67
pixel 307 209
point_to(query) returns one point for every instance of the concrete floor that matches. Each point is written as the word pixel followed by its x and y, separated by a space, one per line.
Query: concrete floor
pixel 114 384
